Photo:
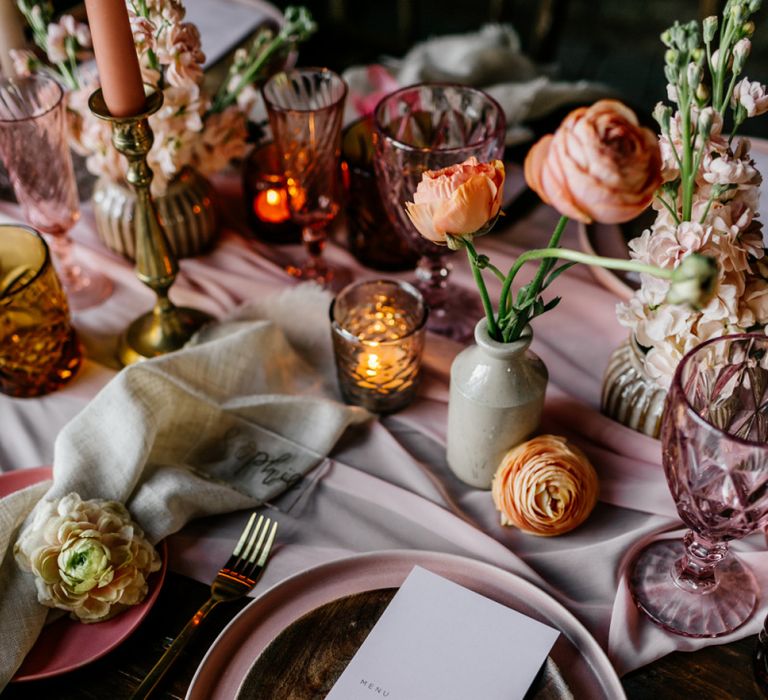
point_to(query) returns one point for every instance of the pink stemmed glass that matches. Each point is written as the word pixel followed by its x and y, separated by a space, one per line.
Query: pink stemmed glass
pixel 715 453
pixel 428 127
pixel 305 108
pixel 33 146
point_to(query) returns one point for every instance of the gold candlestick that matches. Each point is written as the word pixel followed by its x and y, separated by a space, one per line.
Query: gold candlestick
pixel 166 327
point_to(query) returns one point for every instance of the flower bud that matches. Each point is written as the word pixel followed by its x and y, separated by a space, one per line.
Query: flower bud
pixel 741 50
pixel 737 12
pixel 693 281
pixel 662 114
pixel 693 75
pixel 666 38
pixel 671 56
pixel 754 6
pixel 671 73
pixel 748 28
pixel 705 121
pixel 702 94
pixel 716 60
pixel 710 28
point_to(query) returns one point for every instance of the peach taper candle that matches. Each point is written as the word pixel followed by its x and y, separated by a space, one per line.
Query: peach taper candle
pixel 116 57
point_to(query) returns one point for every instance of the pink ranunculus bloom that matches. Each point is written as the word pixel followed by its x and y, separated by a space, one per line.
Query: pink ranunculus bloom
pixel 752 95
pixel 457 201
pixel 600 165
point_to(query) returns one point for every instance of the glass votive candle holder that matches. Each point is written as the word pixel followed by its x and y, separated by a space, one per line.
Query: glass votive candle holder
pixel 371 237
pixel 266 196
pixel 378 331
pixel 39 351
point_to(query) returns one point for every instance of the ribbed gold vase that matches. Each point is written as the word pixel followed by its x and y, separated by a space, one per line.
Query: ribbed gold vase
pixel 629 395
pixel 186 209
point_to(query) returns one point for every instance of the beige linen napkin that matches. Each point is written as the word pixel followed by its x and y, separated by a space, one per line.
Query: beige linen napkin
pixel 228 423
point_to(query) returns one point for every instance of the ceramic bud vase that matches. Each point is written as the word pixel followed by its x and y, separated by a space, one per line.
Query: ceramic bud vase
pixel 496 398
pixel 629 395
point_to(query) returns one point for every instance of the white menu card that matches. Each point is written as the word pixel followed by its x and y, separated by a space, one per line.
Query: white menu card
pixel 440 641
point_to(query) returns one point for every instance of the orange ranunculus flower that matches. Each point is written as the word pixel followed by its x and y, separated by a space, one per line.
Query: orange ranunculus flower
pixel 545 486
pixel 459 200
pixel 600 165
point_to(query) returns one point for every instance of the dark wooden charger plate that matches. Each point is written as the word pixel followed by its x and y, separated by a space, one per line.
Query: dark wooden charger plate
pixel 305 659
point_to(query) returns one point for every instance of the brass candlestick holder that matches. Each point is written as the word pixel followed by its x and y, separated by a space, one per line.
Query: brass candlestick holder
pixel 166 327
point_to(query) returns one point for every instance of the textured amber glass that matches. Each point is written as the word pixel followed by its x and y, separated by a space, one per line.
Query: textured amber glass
pixel 378 340
pixel 306 108
pixel 38 346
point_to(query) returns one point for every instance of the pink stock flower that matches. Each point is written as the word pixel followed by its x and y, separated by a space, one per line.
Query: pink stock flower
pixel 752 96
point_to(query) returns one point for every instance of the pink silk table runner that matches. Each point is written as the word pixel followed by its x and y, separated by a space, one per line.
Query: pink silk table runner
pixel 387 486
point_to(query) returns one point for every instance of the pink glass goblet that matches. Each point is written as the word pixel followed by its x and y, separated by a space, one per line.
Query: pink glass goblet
pixel 715 453
pixel 305 108
pixel 428 127
pixel 33 146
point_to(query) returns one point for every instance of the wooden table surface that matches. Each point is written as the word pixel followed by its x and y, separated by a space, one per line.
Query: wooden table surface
pixel 715 673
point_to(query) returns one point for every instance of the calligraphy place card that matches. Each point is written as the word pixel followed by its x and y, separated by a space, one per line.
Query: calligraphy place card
pixel 438 640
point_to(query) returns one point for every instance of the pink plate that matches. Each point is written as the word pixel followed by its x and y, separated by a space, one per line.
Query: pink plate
pixel 582 662
pixel 65 644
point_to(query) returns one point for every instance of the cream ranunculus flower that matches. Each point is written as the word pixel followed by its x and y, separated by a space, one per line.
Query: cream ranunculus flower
pixel 88 557
pixel 600 165
pixel 457 202
pixel 545 487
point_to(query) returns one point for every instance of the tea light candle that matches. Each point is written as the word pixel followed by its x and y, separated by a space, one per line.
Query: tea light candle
pixel 378 337
pixel 116 58
pixel 271 204
pixel 266 197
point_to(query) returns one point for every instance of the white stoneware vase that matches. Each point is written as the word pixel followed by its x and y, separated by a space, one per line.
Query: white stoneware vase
pixel 496 398
pixel 629 395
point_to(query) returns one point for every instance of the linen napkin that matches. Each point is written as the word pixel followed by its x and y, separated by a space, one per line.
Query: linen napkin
pixel 490 58
pixel 225 424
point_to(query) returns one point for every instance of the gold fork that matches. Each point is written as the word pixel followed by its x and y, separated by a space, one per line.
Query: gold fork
pixel 234 580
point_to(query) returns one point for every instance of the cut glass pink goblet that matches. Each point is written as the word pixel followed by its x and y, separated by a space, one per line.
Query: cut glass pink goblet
pixel 715 454
pixel 33 146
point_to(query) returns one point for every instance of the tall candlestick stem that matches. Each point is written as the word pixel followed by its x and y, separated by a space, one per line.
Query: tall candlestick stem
pixel 167 327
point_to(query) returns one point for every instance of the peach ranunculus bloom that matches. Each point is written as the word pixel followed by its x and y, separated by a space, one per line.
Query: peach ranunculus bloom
pixel 599 165
pixel 458 201
pixel 545 487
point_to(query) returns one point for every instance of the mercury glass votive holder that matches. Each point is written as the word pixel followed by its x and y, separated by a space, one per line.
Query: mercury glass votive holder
pixel 378 329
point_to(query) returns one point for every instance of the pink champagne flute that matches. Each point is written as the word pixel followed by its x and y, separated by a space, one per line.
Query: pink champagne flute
pixel 715 453
pixel 33 146
pixel 305 108
pixel 428 127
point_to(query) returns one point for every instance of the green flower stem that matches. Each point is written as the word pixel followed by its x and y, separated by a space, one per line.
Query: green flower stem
pixel 669 208
pixel 507 286
pixel 687 175
pixel 493 330
pixel 594 260
pixel 495 270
